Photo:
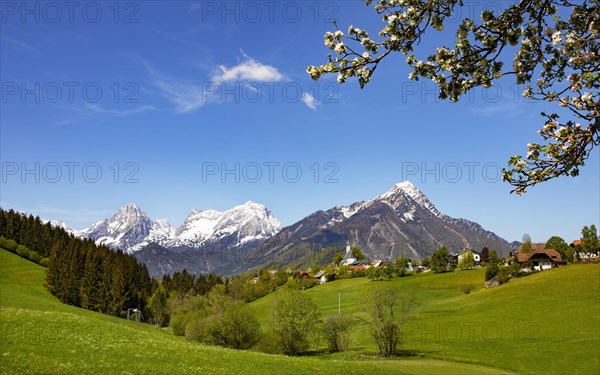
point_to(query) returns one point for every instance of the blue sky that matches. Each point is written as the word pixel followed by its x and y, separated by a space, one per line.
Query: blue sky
pixel 181 105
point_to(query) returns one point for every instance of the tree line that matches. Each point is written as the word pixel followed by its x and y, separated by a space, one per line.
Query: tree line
pixel 79 272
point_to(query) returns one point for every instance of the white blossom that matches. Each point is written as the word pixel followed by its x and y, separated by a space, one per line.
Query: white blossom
pixel 556 38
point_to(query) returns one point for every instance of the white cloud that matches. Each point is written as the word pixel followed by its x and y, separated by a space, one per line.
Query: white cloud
pixel 247 70
pixel 189 96
pixel 186 96
pixel 310 101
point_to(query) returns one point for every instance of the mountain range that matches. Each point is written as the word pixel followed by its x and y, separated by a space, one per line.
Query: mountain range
pixel 400 222
pixel 131 229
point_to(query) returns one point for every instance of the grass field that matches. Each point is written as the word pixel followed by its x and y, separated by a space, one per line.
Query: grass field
pixel 38 334
pixel 546 323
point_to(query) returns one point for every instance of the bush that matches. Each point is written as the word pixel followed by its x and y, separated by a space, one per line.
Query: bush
pixel 503 275
pixel 337 332
pixel 359 273
pixel 196 328
pixel 515 270
pixel 491 271
pixel 269 343
pixel 237 329
pixel 178 324
pixel 387 309
pixel 467 288
pixel 7 244
pixel 295 314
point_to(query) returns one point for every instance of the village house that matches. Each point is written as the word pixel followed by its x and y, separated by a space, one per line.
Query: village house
pixel 320 277
pixel 476 255
pixel 540 258
pixel 453 259
pixel 303 274
pixel 358 267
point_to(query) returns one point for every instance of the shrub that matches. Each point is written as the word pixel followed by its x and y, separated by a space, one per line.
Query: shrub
pixel 197 328
pixel 491 271
pixel 387 309
pixel 269 343
pixel 178 324
pixel 467 288
pixel 237 329
pixel 337 332
pixel 7 244
pixel 503 275
pixel 515 270
pixel 295 314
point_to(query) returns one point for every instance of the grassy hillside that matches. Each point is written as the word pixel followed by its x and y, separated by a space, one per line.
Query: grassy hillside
pixel 544 323
pixel 41 335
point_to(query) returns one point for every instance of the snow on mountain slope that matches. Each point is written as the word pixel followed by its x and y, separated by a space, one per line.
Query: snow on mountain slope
pixel 131 229
pixel 399 193
pixel 250 222
pixel 59 224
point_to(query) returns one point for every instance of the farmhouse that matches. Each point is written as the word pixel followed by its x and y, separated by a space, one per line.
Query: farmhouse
pixel 303 274
pixel 476 255
pixel 359 267
pixel 540 258
pixel 320 277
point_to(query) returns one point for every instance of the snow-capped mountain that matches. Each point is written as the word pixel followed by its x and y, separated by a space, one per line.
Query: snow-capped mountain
pixel 247 222
pixel 126 229
pixel 130 229
pixel 400 222
pixel 59 224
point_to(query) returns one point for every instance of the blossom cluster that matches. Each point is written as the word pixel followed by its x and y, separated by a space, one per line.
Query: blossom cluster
pixel 558 61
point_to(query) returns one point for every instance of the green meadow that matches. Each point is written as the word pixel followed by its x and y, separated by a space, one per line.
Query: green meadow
pixel 544 323
pixel 41 335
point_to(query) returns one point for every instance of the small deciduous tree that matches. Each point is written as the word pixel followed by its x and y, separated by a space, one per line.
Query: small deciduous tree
pixel 401 265
pixel 589 239
pixel 558 244
pixel 158 308
pixel 503 275
pixel 295 315
pixel 388 308
pixel 439 260
pixel 494 258
pixel 526 245
pixel 338 257
pixel 337 332
pixel 467 260
pixel 357 253
pixel 491 271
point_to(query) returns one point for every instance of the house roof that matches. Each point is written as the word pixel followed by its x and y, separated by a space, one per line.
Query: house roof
pixel 319 274
pixel 538 248
pixel 576 243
